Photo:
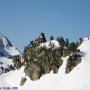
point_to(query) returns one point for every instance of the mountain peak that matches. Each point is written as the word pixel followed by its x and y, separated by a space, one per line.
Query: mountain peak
pixel 4 40
pixel 42 38
pixel 6 48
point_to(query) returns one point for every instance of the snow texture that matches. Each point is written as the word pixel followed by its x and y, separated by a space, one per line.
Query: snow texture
pixel 54 44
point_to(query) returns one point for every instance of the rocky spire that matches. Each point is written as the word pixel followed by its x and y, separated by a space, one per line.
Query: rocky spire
pixel 42 38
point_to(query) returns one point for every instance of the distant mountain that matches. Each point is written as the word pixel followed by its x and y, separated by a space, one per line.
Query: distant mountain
pixel 7 52
pixel 6 48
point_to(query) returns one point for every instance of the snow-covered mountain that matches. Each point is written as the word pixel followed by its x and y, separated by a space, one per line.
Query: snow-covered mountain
pixel 7 50
pixel 77 79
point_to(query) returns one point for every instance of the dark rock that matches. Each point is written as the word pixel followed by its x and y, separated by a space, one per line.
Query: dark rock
pixel 35 71
pixel 72 62
pixel 23 81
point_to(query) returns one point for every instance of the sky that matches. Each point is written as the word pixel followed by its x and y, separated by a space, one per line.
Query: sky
pixel 22 20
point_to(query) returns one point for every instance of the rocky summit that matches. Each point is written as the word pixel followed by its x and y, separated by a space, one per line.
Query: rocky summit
pixel 42 56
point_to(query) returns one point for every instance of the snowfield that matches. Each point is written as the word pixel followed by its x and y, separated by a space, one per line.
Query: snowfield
pixel 13 51
pixel 77 79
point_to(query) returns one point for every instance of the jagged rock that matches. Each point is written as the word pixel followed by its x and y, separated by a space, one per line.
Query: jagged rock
pixel 47 67
pixel 17 62
pixel 42 38
pixel 23 80
pixel 35 71
pixel 72 62
pixel 41 58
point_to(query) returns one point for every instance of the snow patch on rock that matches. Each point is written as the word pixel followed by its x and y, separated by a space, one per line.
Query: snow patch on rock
pixel 54 44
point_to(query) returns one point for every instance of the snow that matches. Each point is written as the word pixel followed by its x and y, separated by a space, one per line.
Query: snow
pixel 13 51
pixel 86 38
pixel 50 44
pixel 6 61
pixel 78 79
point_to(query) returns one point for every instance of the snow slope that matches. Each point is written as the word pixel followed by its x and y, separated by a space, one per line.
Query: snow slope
pixel 5 61
pixel 77 79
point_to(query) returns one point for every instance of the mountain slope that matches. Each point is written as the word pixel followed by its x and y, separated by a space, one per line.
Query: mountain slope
pixel 7 51
pixel 77 79
pixel 6 48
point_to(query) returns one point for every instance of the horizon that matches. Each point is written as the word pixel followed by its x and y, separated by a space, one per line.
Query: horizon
pixel 22 21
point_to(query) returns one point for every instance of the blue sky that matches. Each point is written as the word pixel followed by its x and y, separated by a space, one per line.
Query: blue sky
pixel 23 20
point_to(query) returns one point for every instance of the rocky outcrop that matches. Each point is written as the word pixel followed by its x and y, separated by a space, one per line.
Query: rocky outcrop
pixel 72 62
pixel 23 81
pixel 41 57
pixel 41 60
